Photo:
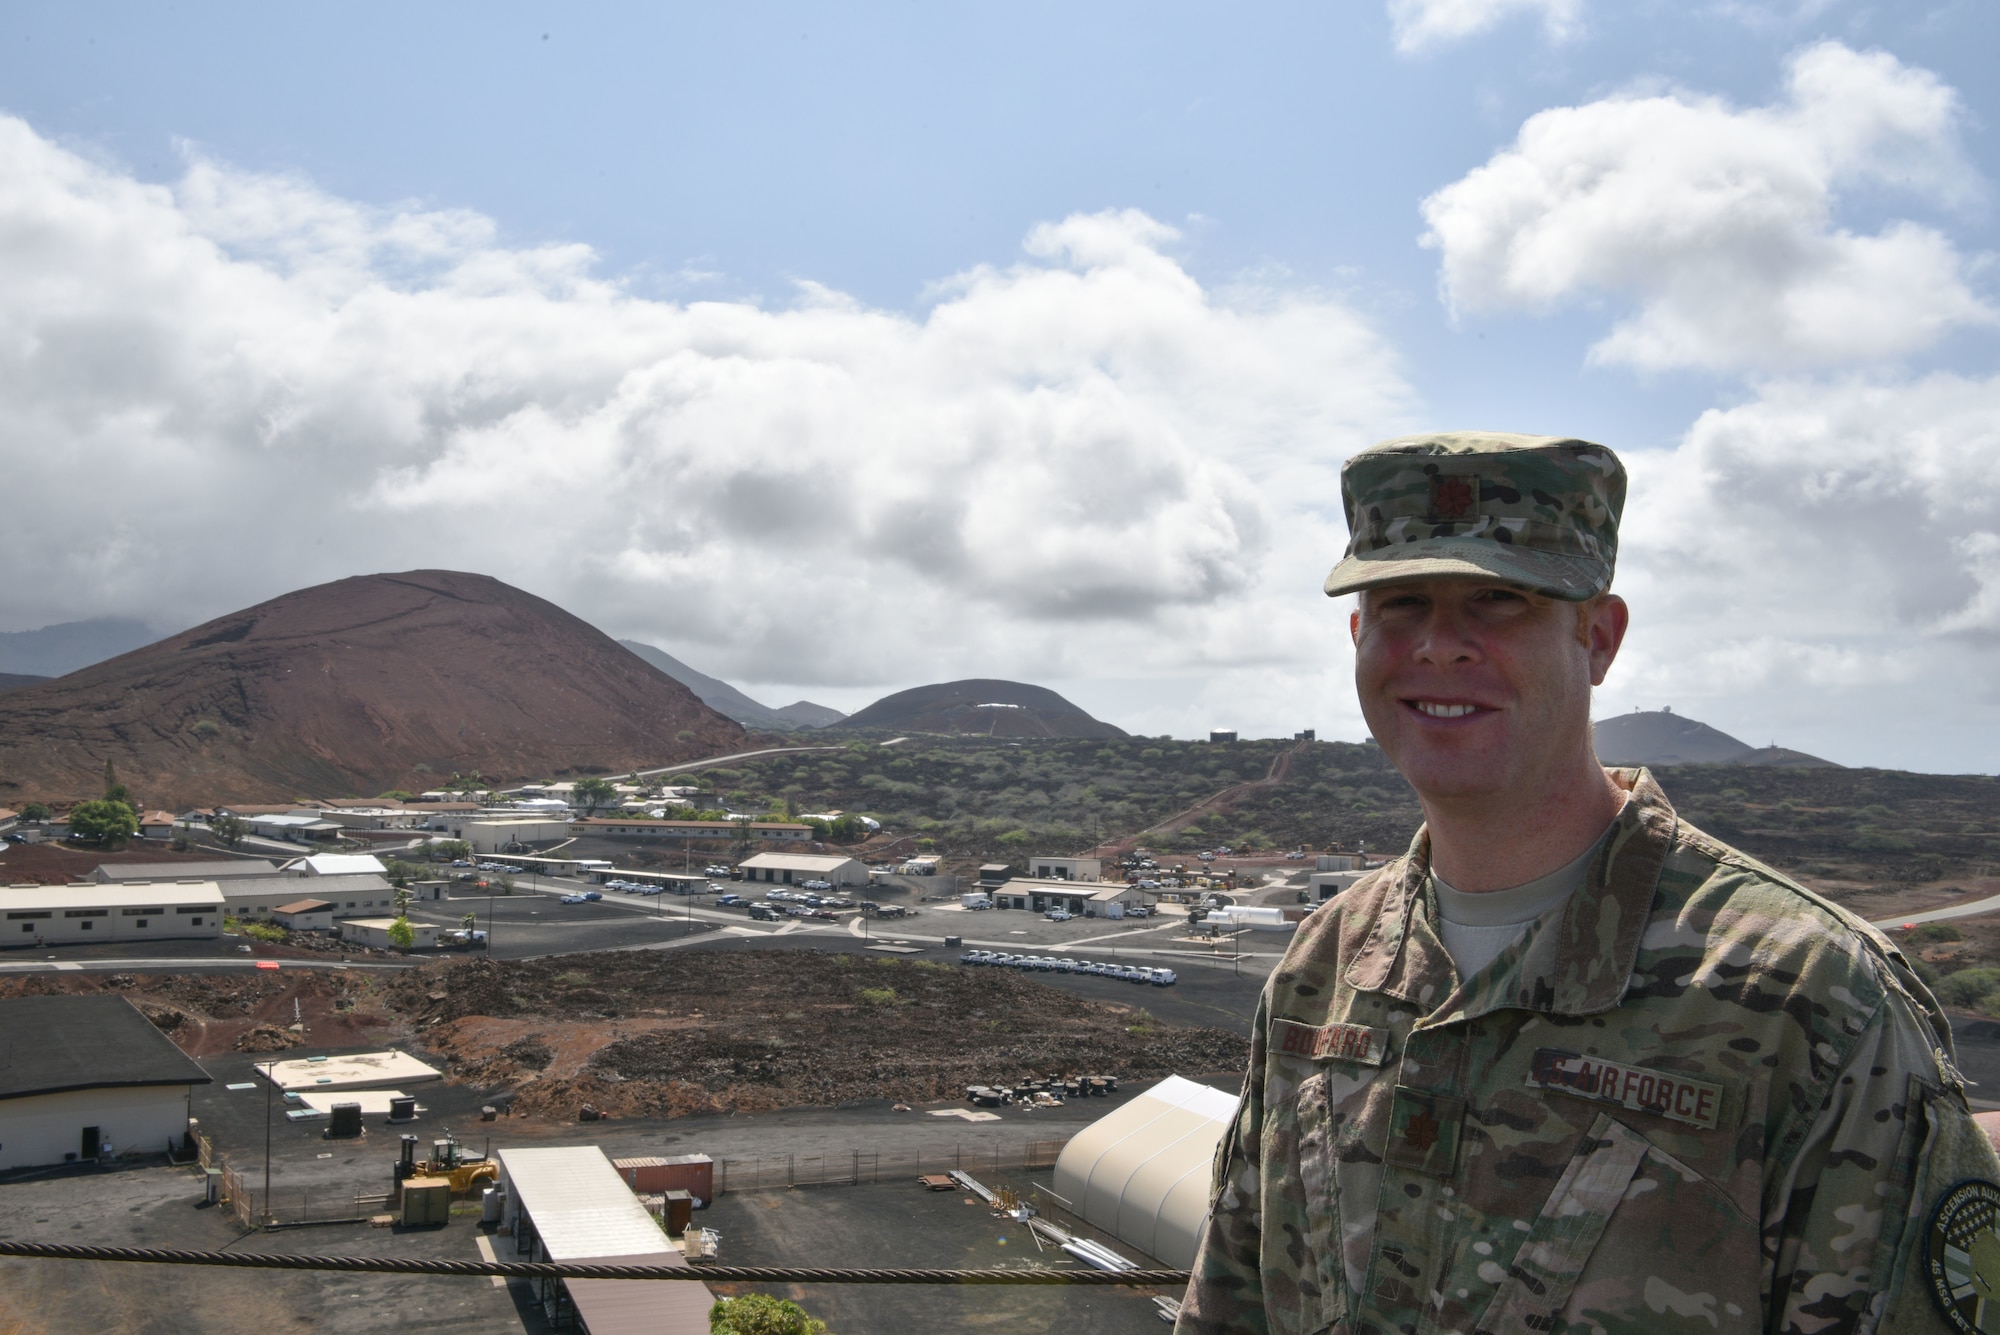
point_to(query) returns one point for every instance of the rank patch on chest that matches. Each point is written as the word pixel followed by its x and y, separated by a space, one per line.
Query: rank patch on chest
pixel 1423 1131
pixel 1637 1088
pixel 1330 1042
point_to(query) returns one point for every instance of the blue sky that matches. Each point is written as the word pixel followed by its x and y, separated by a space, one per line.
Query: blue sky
pixel 754 176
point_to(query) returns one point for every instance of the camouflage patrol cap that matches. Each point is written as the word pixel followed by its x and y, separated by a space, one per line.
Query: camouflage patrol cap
pixel 1540 512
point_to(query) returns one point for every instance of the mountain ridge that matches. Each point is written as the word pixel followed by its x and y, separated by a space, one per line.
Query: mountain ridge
pixel 719 695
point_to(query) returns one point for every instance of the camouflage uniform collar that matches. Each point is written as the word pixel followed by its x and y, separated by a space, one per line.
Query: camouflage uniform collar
pixel 1581 968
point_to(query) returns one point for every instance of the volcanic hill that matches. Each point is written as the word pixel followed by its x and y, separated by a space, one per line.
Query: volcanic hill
pixel 365 684
pixel 1662 737
pixel 982 707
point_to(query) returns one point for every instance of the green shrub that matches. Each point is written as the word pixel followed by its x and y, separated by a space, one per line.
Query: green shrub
pixel 879 996
pixel 1936 931
pixel 256 931
pixel 1968 987
pixel 761 1314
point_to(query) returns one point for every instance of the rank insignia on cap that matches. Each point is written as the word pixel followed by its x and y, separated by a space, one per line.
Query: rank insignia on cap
pixel 1454 499
pixel 1962 1257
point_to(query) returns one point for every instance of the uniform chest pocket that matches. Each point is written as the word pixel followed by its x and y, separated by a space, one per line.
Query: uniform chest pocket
pixel 1630 1233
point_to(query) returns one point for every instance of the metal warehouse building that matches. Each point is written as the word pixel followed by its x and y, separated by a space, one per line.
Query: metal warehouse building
pixel 88 1076
pixel 46 915
pixel 1141 1173
pixel 797 868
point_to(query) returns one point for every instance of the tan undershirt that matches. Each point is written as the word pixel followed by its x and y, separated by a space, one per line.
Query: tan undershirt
pixel 1475 928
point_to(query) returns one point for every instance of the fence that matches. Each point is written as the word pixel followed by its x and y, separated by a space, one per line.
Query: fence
pixel 859 1166
pixel 295 1205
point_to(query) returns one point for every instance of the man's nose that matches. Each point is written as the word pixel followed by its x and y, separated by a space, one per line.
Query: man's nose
pixel 1445 638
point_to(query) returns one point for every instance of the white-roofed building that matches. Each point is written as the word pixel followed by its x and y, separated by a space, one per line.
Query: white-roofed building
pixel 798 868
pixel 1141 1173
pixel 119 911
pixel 340 864
pixel 567 1203
pixel 299 827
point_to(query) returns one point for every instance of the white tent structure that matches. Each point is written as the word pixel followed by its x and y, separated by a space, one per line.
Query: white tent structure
pixel 1142 1173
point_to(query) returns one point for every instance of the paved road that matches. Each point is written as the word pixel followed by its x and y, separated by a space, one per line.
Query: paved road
pixel 1988 905
pixel 717 760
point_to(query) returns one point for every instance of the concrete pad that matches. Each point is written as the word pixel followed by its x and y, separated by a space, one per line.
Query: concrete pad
pixel 968 1114
pixel 356 1070
pixel 374 1102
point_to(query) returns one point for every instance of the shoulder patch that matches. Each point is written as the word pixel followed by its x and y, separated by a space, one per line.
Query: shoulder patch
pixel 1962 1257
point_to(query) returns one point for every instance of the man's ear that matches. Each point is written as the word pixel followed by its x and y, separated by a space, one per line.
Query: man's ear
pixel 1354 625
pixel 1606 631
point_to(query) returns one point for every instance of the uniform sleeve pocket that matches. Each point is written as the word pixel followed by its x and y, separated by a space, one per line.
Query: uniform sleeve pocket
pixel 1563 1235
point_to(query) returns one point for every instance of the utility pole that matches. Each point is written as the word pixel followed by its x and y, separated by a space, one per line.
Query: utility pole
pixel 270 1079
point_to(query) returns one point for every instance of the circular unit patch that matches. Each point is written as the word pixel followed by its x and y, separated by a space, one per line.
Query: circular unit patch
pixel 1962 1257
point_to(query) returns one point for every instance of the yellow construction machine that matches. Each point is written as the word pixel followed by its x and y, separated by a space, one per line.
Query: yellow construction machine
pixel 467 1172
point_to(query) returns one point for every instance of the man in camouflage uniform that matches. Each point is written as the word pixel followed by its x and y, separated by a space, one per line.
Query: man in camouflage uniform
pixel 1687 1095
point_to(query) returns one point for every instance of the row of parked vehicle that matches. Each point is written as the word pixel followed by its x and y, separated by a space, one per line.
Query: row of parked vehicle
pixel 1130 973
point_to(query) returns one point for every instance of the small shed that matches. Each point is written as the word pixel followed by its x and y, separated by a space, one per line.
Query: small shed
pixel 375 932
pixel 304 915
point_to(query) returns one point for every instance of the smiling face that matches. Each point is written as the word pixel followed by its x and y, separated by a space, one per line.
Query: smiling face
pixel 1479 691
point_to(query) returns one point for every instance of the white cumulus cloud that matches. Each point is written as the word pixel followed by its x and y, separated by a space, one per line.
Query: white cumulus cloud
pixel 1825 560
pixel 1419 24
pixel 1721 224
pixel 220 389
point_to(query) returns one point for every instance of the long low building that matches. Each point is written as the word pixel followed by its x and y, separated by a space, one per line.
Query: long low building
pixel 1086 899
pixel 87 1077
pixel 771 831
pixel 497 835
pixel 350 896
pixel 220 869
pixel 567 1203
pixel 797 868
pixel 48 915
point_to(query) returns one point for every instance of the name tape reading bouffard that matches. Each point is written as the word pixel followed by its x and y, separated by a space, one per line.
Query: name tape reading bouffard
pixel 1330 1042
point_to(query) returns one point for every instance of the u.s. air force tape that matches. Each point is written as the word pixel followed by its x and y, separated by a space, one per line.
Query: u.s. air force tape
pixel 1636 1088
pixel 1330 1042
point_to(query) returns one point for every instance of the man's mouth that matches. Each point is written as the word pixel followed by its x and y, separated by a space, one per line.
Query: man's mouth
pixel 1442 709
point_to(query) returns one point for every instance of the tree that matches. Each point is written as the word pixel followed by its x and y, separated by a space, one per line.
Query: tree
pixel 229 829
pixel 761 1314
pixel 115 791
pixel 104 821
pixel 506 884
pixel 594 793
pixel 35 811
pixel 395 795
pixel 402 900
pixel 401 935
pixel 469 921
